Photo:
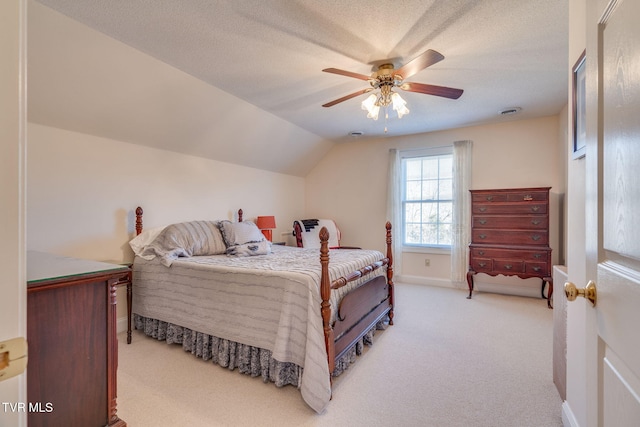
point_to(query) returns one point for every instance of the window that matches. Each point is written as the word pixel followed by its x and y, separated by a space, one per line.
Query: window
pixel 427 198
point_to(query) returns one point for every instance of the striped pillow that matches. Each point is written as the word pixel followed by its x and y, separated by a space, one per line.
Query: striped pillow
pixel 187 239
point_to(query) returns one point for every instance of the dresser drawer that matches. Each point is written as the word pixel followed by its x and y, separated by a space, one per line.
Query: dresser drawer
pixel 489 197
pixel 542 268
pixel 510 237
pixel 509 208
pixel 482 265
pixel 510 221
pixel 511 196
pixel 528 196
pixel 526 255
pixel 508 266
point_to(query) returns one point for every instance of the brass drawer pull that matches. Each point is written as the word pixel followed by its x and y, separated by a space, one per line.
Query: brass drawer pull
pixel 482 221
pixel 480 252
pixel 535 221
pixel 536 237
pixel 537 256
pixel 537 269
pixel 482 264
pixel 489 198
pixel 528 198
pixel 535 208
pixel 482 236
pixel 508 266
pixel 482 209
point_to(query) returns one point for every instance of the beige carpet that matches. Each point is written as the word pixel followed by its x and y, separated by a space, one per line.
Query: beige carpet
pixel 447 361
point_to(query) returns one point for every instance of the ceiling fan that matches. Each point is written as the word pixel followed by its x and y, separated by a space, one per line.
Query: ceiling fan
pixel 387 78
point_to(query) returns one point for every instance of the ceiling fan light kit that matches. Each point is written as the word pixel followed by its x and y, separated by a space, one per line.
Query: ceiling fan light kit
pixel 386 78
pixel 383 81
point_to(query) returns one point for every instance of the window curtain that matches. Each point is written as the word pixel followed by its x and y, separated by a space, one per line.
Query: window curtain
pixel 461 211
pixel 394 208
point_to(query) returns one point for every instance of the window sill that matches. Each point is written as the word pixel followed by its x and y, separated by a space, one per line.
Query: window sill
pixel 426 250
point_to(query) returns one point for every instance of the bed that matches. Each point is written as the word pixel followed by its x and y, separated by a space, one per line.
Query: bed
pixel 286 314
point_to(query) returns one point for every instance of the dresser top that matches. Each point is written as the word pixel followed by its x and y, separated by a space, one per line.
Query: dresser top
pixel 510 190
pixel 42 266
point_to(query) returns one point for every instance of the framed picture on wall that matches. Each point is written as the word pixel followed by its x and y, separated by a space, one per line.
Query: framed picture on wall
pixel 579 113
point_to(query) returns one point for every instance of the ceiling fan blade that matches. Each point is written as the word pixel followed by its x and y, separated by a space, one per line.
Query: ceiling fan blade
pixel 347 73
pixel 344 98
pixel 445 92
pixel 419 63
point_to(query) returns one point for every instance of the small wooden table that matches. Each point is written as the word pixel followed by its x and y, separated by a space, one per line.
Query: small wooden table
pixel 73 347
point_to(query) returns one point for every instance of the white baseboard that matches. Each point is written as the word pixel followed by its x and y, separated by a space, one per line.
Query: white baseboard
pixel 428 281
pixel 568 419
pixel 501 285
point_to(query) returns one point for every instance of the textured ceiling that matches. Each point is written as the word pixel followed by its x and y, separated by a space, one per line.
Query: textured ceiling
pixel 270 53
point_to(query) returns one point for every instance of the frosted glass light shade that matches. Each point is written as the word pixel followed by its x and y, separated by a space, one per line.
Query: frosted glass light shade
pixel 399 105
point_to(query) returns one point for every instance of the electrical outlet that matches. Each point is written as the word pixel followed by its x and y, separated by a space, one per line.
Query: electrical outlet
pixel 427 262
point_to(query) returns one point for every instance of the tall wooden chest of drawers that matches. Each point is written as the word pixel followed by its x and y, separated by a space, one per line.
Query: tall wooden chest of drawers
pixel 510 235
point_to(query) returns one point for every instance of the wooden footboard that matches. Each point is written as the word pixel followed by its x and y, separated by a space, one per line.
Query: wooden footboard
pixel 359 310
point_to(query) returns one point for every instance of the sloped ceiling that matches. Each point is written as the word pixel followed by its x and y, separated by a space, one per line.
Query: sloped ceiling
pixel 245 83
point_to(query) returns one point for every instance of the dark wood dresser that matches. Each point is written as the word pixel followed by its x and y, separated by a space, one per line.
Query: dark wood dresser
pixel 73 348
pixel 510 235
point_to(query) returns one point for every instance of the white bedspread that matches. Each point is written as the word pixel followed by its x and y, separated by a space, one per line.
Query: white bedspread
pixel 268 301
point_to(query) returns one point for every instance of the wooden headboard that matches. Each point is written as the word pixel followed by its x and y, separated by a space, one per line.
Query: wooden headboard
pixel 139 213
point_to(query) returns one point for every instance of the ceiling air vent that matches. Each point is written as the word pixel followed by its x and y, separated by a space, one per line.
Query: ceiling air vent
pixel 509 111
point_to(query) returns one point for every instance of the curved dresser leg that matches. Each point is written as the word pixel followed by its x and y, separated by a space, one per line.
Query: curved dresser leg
pixel 470 282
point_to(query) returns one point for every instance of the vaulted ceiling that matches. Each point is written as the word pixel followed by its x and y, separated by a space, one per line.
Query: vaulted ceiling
pixel 249 73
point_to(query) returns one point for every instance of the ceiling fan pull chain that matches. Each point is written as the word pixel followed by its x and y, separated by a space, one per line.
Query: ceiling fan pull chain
pixel 386 117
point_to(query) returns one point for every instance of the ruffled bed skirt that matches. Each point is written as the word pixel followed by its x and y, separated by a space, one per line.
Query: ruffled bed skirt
pixel 248 360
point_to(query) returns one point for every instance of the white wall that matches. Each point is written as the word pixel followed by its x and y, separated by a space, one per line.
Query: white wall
pixel 83 191
pixel 350 182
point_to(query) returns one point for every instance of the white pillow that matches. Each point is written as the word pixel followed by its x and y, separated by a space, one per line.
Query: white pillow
pixel 141 241
pixel 244 239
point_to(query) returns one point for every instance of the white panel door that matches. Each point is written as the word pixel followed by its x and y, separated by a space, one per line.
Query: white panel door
pixel 613 212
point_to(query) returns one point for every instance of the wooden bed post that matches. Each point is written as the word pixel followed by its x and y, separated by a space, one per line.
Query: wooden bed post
pixel 138 220
pixel 240 213
pixel 390 270
pixel 325 294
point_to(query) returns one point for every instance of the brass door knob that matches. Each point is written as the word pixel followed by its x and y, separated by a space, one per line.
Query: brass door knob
pixel 572 292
